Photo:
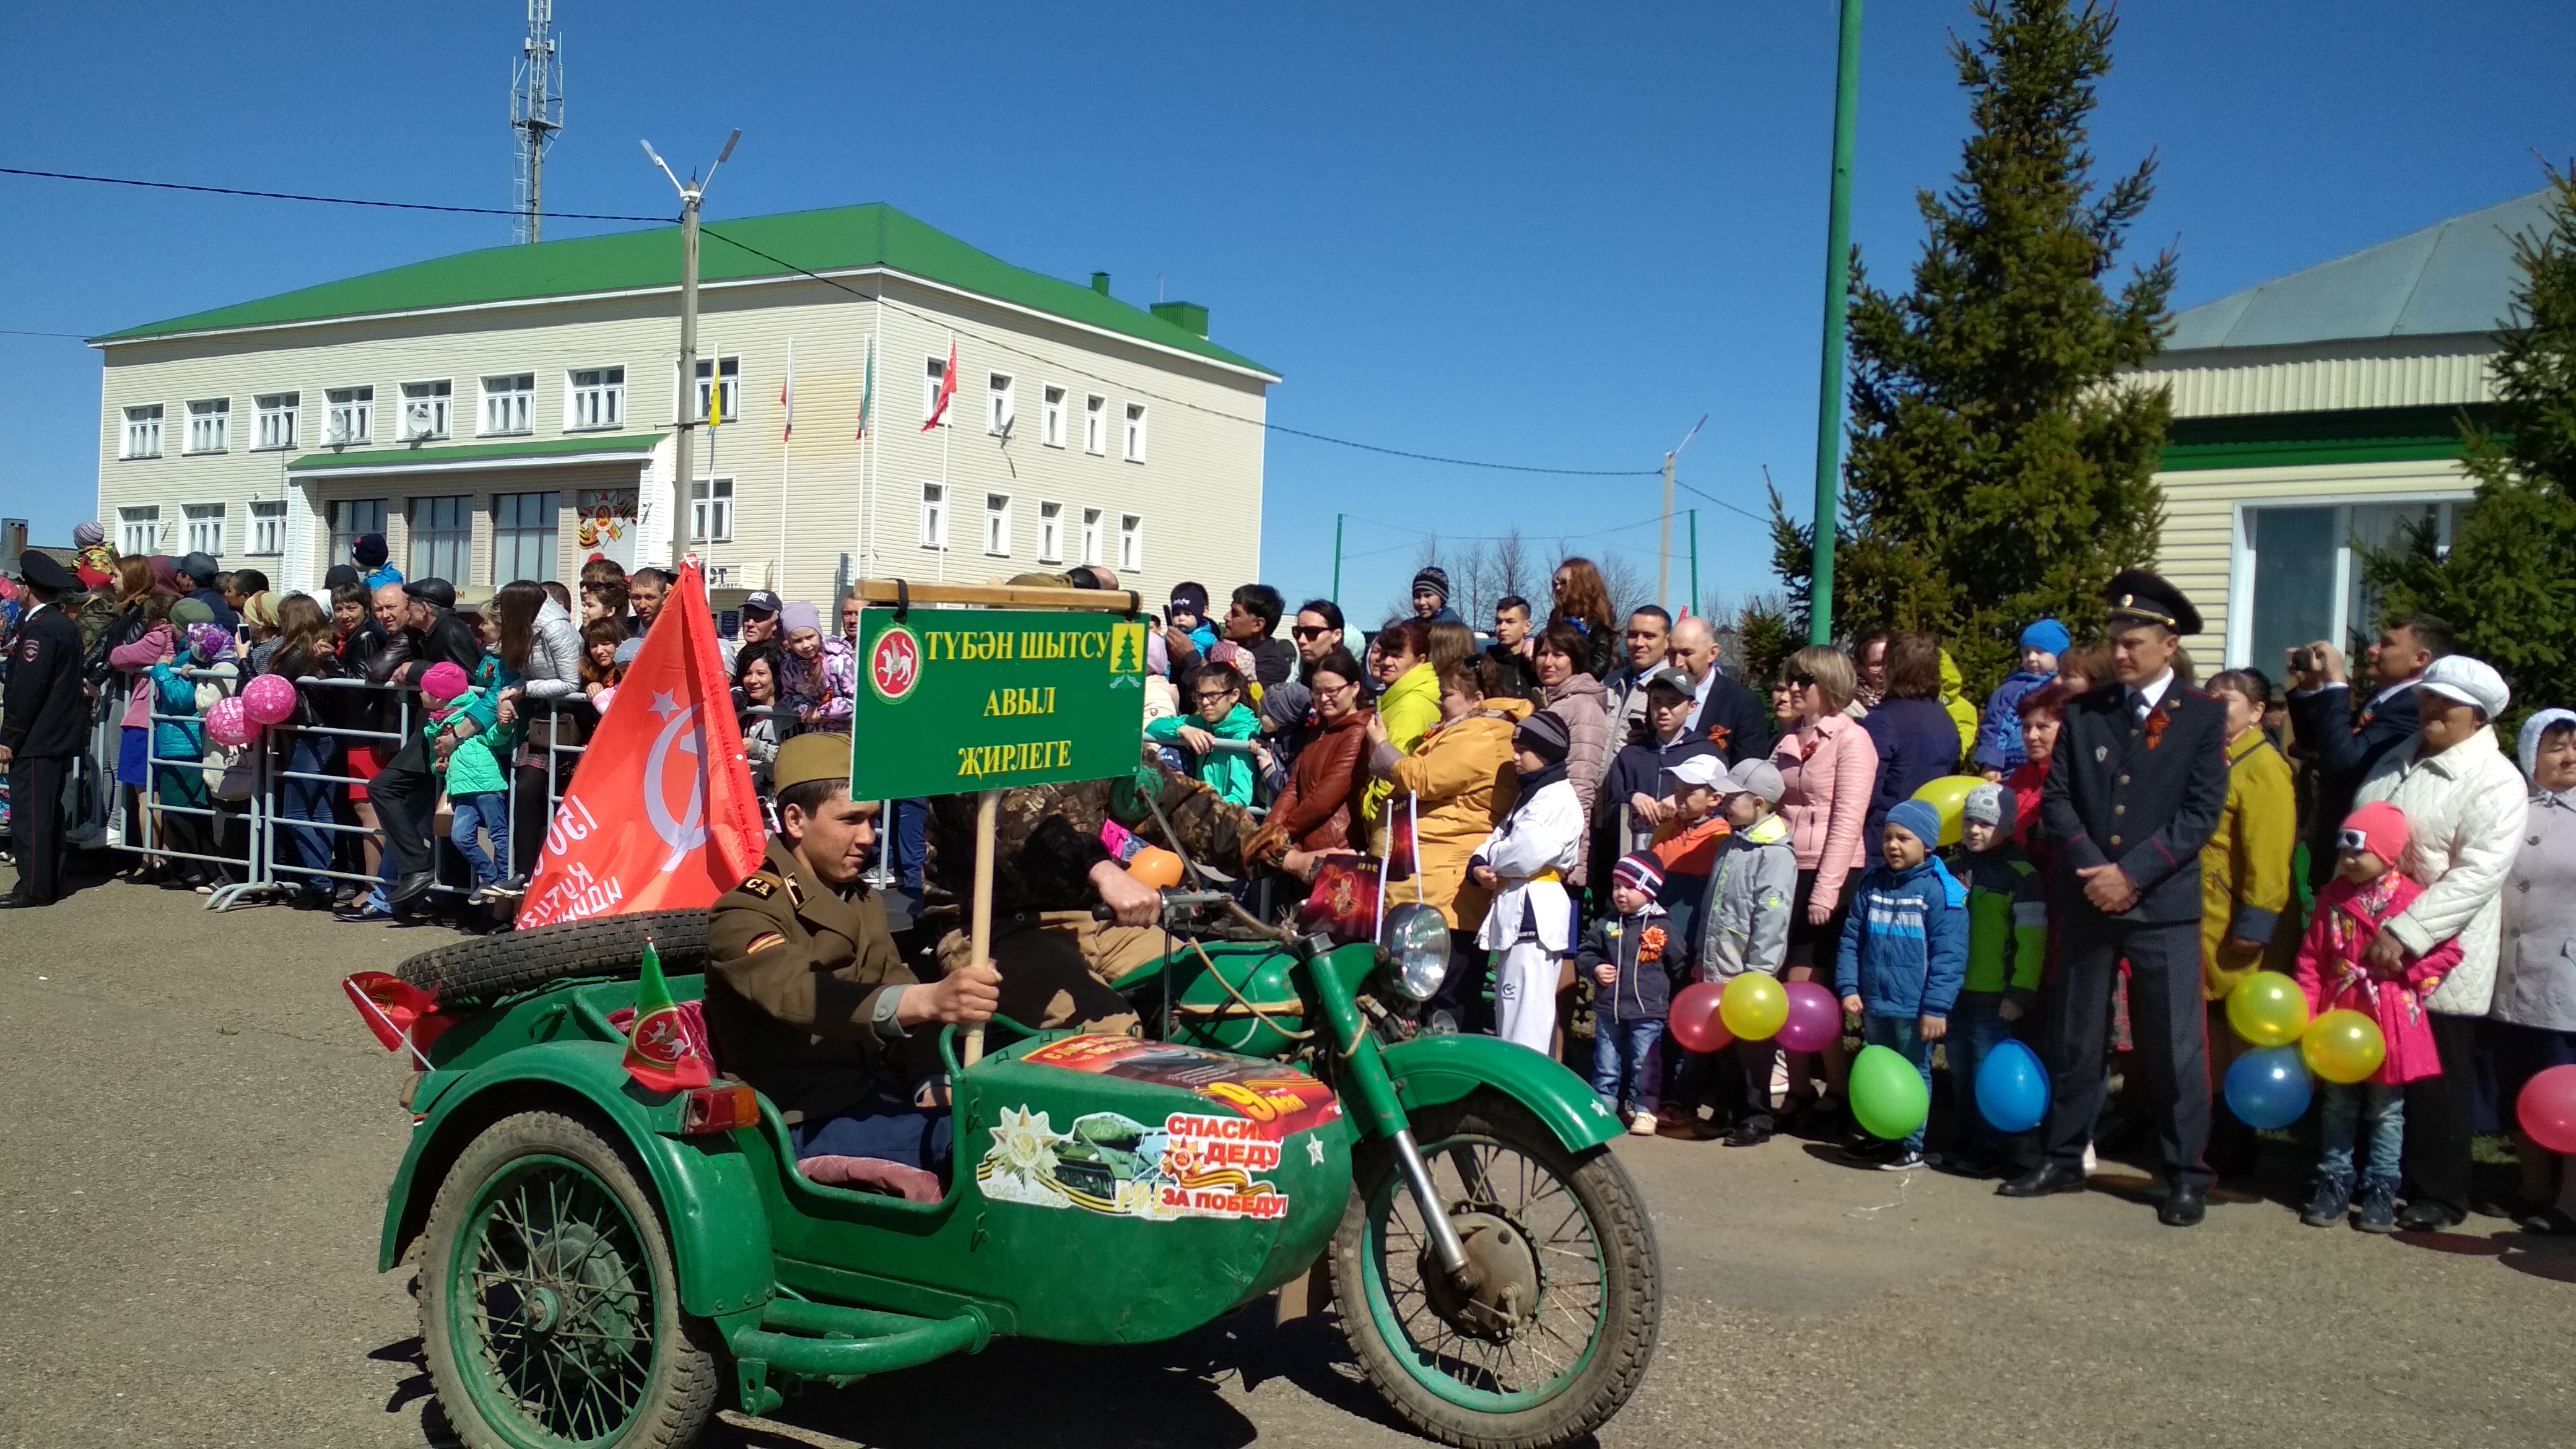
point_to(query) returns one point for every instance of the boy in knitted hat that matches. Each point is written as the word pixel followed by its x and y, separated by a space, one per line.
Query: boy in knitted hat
pixel 1999 749
pixel 1904 951
pixel 1525 863
pixel 1633 959
pixel 2007 941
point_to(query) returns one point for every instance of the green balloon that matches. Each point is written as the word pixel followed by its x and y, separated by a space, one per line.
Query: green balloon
pixel 1888 1097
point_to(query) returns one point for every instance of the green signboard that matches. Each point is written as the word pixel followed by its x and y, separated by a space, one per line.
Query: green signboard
pixel 958 700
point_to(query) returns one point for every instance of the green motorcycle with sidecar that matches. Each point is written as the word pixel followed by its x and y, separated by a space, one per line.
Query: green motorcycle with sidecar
pixel 600 1264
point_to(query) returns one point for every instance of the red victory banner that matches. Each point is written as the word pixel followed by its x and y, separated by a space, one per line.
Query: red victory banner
pixel 660 815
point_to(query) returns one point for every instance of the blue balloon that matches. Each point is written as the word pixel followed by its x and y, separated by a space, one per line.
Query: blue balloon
pixel 2268 1090
pixel 2012 1088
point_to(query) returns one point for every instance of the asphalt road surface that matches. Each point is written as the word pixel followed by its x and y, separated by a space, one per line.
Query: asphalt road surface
pixel 195 1136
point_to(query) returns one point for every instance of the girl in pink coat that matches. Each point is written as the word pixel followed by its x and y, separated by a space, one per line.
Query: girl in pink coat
pixel 2367 890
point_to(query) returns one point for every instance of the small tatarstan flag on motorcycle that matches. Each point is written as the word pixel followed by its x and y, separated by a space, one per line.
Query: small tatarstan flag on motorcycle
pixel 659 1053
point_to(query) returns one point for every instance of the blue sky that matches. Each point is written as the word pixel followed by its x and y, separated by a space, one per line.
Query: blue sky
pixel 1544 235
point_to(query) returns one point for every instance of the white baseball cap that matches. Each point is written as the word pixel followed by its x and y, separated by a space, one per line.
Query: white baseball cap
pixel 1699 770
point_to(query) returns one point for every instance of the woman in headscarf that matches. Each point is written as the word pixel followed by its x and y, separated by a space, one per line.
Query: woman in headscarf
pixel 2531 1025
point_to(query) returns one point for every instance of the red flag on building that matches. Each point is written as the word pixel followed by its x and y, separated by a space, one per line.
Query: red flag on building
pixel 947 389
pixel 660 814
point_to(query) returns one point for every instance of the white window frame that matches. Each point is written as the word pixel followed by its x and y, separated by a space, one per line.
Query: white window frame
pixel 1135 434
pixel 1091 536
pixel 428 413
pixel 713 371
pixel 2241 560
pixel 1001 403
pixel 268 526
pixel 997 525
pixel 1051 417
pixel 278 414
pixel 711 510
pixel 201 528
pixel 351 415
pixel 509 410
pixel 595 405
pixel 1050 532
pixel 143 422
pixel 1131 540
pixel 934 515
pixel 934 371
pixel 1095 425
pixel 210 425
pixel 138 529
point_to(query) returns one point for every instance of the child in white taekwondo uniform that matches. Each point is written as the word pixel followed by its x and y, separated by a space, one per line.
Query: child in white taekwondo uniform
pixel 1525 862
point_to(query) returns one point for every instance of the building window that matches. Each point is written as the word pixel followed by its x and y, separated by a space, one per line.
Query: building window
pixel 507 402
pixel 1091 535
pixel 277 418
pixel 442 539
pixel 598 398
pixel 2298 576
pixel 210 425
pixel 934 515
pixel 1095 424
pixel 1002 408
pixel 1131 541
pixel 351 518
pixel 425 413
pixel 1135 432
pixel 142 436
pixel 711 510
pixel 1050 533
pixel 997 524
pixel 709 370
pixel 523 537
pixel 353 409
pixel 934 374
pixel 268 526
pixel 138 530
pixel 205 528
pixel 1051 418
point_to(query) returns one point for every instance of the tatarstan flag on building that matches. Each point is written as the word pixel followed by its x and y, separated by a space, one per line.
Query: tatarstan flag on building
pixel 660 814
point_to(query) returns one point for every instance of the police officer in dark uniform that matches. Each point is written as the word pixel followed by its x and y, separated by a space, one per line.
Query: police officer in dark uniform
pixel 806 999
pixel 2135 792
pixel 44 721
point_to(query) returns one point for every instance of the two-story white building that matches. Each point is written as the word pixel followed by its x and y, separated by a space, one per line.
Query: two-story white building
pixel 507 414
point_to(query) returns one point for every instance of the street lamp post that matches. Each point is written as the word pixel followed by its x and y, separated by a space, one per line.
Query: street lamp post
pixel 1829 391
pixel 684 471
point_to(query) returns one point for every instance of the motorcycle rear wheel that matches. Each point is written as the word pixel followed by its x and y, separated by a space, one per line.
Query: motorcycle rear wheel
pixel 1547 1369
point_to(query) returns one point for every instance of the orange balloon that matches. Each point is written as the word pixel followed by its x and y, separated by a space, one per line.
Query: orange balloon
pixel 1156 867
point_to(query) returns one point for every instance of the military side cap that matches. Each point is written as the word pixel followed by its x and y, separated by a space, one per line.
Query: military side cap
pixel 811 757
pixel 2137 595
pixel 41 570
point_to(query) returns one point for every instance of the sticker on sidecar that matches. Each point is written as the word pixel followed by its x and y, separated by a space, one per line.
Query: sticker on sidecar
pixel 1280 1101
pixel 1192 1166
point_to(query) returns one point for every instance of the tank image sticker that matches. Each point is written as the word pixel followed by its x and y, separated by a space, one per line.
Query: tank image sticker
pixel 1282 1100
pixel 1192 1166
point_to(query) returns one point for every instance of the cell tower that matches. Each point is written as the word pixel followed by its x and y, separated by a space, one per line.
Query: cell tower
pixel 536 115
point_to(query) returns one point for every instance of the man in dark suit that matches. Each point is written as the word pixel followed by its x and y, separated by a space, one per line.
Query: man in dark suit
pixel 2135 792
pixel 43 723
pixel 2343 746
pixel 406 794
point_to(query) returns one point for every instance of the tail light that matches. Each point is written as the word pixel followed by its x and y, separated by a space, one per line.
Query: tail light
pixel 719 1109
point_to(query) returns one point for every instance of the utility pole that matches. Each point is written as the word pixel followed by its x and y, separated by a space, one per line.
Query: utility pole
pixel 536 115
pixel 1664 549
pixel 1829 391
pixel 1337 556
pixel 684 473
pixel 1694 542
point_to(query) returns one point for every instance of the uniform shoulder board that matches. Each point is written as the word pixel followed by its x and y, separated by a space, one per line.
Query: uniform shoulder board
pixel 763 885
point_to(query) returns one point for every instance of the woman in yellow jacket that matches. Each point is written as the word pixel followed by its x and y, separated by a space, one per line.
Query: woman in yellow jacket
pixel 1400 657
pixel 1461 781
pixel 2248 918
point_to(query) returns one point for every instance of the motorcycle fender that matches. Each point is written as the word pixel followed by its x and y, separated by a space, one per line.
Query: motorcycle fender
pixel 1430 1071
pixel 711 1205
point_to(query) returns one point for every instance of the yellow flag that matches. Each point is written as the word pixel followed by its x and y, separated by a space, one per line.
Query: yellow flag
pixel 715 401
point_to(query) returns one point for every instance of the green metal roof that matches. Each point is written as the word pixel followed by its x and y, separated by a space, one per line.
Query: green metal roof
pixel 478 452
pixel 839 239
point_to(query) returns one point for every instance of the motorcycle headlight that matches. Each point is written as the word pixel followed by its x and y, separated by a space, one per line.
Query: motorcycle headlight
pixel 1416 942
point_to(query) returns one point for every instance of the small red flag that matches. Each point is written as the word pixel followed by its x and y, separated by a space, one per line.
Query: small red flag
pixel 400 1016
pixel 947 389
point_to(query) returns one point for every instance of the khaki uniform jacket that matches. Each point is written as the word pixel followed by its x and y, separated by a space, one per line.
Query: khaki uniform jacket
pixel 796 979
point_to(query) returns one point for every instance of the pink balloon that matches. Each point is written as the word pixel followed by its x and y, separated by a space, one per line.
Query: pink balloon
pixel 2547 1109
pixel 229 723
pixel 269 699
pixel 1694 1021
pixel 1815 1018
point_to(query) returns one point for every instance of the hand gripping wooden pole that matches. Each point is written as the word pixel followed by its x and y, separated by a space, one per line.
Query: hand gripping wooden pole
pixel 980 938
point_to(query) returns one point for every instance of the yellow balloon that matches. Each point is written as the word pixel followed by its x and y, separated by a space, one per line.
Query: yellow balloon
pixel 2268 1009
pixel 1949 795
pixel 1753 1007
pixel 2343 1046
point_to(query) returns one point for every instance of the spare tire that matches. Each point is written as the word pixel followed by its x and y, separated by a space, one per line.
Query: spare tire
pixel 483 969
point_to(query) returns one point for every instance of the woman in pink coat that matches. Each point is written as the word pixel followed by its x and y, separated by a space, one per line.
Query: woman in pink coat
pixel 1828 770
pixel 2368 890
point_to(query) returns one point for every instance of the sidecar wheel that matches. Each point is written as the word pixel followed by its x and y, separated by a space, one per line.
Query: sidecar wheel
pixel 1563 1332
pixel 549 1308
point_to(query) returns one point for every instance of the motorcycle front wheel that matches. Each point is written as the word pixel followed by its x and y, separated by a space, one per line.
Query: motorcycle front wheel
pixel 1558 1328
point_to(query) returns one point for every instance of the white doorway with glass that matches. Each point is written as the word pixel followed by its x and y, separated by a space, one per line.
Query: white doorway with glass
pixel 2295 571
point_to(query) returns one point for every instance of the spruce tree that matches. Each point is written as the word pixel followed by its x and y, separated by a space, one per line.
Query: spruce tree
pixel 2508 583
pixel 2000 469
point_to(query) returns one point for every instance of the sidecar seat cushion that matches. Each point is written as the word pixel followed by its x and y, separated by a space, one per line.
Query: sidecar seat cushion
pixel 872 1174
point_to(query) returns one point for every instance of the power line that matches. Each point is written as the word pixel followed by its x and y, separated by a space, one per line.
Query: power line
pixel 1180 402
pixel 1722 503
pixel 327 200
pixel 22 332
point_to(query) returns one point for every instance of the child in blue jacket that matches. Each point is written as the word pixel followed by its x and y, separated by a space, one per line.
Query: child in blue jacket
pixel 1904 955
pixel 1999 750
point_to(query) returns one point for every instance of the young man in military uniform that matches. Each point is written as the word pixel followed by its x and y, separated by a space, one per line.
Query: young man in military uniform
pixel 43 724
pixel 806 999
pixel 2139 780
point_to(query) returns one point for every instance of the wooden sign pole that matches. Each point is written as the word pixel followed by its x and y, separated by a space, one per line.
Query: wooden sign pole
pixel 980 938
